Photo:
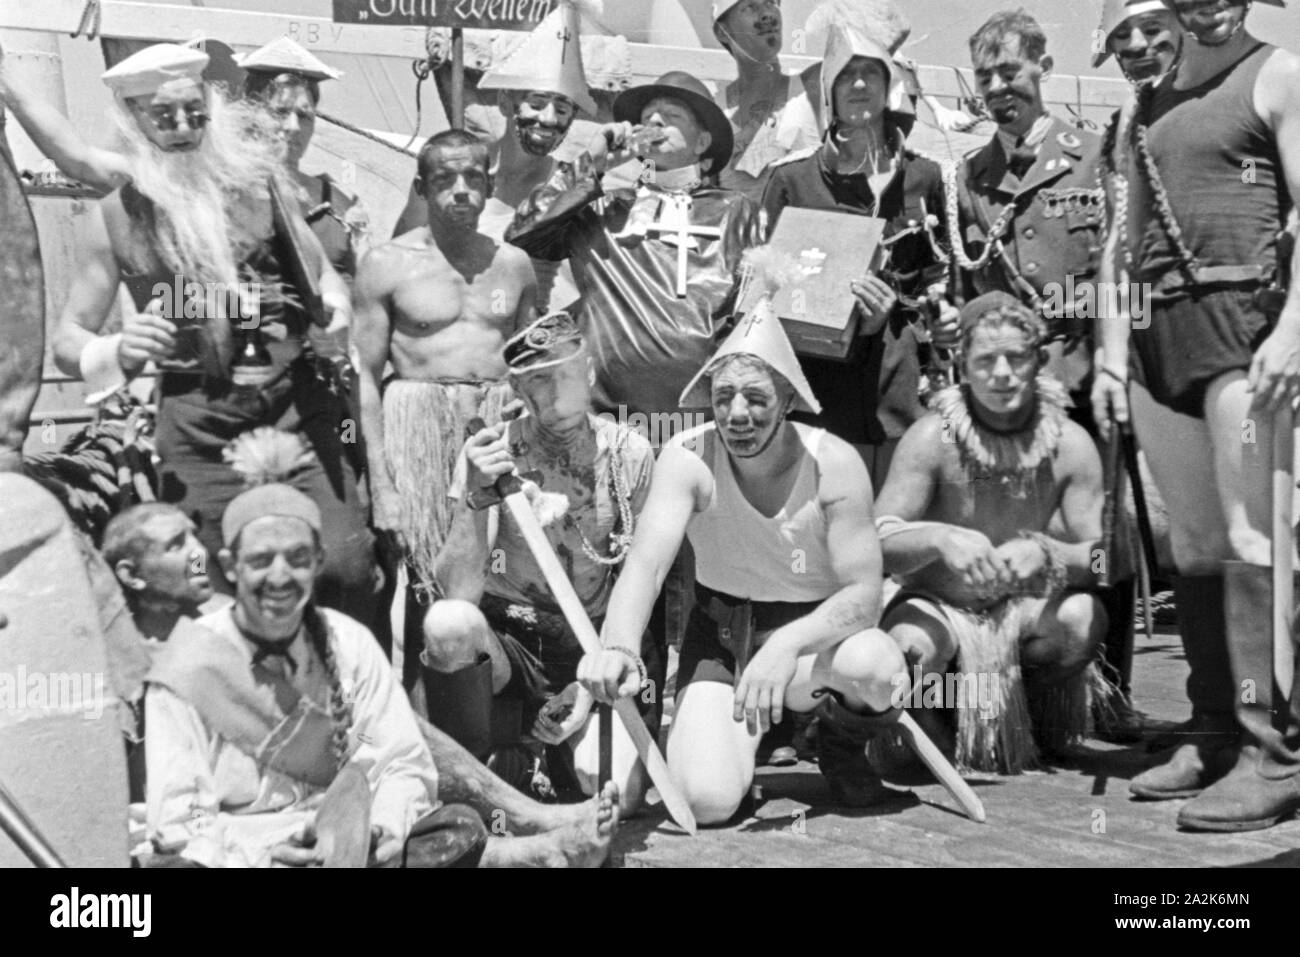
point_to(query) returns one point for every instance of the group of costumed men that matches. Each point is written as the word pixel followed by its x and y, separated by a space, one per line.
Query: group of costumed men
pixel 820 540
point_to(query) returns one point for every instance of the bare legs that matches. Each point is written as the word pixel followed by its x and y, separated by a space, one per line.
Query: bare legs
pixel 711 756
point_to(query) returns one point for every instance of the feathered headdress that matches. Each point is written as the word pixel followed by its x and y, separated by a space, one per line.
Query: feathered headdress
pixel 267 458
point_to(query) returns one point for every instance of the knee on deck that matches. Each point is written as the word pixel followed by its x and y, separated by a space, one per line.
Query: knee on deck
pixel 713 802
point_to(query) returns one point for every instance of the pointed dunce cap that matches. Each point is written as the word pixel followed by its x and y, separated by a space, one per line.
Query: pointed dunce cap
pixel 549 61
pixel 758 333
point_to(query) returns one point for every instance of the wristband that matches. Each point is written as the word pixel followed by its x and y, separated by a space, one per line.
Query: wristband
pixel 636 660
pixel 101 367
pixel 1055 574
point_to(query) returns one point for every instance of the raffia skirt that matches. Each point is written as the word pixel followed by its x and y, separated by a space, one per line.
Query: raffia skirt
pixel 1005 722
pixel 424 432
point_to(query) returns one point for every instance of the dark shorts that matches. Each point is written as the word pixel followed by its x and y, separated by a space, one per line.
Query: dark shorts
pixel 544 659
pixel 705 656
pixel 1192 341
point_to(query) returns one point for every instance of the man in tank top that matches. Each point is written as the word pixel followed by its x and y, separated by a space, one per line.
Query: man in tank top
pixel 1213 169
pixel 788 583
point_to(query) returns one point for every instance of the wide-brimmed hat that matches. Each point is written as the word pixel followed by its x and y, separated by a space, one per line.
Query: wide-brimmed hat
pixel 283 55
pixel 682 86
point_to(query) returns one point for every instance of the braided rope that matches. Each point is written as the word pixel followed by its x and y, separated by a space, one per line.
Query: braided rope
pixel 1187 260
pixel 322 639
pixel 957 244
pixel 366 134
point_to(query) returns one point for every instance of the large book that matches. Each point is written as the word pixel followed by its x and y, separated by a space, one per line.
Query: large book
pixel 833 250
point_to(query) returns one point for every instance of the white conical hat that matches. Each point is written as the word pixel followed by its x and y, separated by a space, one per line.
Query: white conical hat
pixel 283 55
pixel 720 8
pixel 758 333
pixel 550 60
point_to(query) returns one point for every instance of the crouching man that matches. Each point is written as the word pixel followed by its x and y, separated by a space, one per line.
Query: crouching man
pixel 788 572
pixel 990 520
pixel 500 662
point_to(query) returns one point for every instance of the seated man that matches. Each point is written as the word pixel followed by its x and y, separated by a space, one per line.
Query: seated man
pixel 162 568
pixel 788 572
pixel 498 635
pixel 990 520
pixel 254 710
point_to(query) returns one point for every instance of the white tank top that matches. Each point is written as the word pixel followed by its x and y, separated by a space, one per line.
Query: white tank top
pixel 743 553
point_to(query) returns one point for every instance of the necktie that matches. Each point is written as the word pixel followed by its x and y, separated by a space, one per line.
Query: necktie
pixel 1022 158
pixel 273 649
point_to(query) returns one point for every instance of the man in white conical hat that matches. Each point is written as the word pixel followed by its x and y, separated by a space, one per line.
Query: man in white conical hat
pixel 542 89
pixel 788 593
pixel 286 79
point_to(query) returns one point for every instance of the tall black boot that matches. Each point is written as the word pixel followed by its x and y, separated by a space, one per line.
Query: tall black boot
pixel 842 737
pixel 1208 748
pixel 1264 785
pixel 459 703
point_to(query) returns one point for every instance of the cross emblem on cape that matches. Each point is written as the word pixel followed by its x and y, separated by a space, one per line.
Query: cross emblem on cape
pixel 674 226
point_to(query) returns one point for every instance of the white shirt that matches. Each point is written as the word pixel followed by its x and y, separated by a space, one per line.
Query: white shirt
pixel 209 801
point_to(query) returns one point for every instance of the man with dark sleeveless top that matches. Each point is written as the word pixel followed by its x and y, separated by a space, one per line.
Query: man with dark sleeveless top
pixel 193 238
pixel 1213 166
pixel 788 583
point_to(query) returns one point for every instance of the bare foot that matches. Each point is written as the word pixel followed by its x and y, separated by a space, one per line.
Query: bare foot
pixel 582 841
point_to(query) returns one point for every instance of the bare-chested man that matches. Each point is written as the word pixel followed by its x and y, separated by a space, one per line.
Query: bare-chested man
pixel 438 303
pixel 989 520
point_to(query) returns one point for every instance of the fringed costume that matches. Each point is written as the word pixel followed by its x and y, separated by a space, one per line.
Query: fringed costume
pixel 1015 717
pixel 424 430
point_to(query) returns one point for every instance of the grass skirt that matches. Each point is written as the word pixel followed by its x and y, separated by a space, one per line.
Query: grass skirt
pixel 424 431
